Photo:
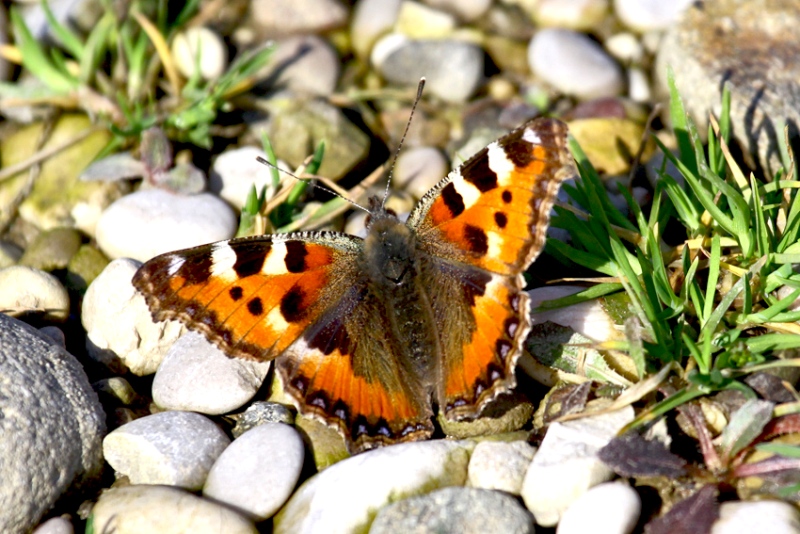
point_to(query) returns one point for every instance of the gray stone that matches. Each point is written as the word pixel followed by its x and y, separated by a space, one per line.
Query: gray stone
pixel 197 376
pixel 28 291
pixel 173 448
pixel 165 510
pixel 52 249
pixel 453 69
pixel 455 511
pixel 497 465
pixel 153 221
pixel 258 471
pixel 260 413
pixel 344 497
pixel 418 169
pixel 304 64
pixel 574 64
pixel 51 425
pixel 744 44
pixel 121 333
pixel 280 18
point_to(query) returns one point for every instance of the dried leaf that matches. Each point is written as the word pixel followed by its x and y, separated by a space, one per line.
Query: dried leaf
pixel 693 515
pixel 770 387
pixel 566 400
pixel 745 426
pixel 631 455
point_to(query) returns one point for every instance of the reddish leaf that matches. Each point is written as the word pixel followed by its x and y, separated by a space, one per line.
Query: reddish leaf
pixel 693 515
pixel 631 455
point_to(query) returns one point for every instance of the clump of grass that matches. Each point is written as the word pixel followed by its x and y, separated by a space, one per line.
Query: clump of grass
pixel 708 310
pixel 114 72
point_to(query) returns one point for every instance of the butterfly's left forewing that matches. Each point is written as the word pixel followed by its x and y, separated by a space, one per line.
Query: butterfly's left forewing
pixel 300 298
pixel 480 228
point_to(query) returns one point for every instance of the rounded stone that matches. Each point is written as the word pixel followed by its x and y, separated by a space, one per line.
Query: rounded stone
pixel 153 221
pixel 166 510
pixel 344 497
pixel 199 50
pixel 197 376
pixel 455 511
pixel 235 172
pixel 51 426
pixel 574 64
pixel 465 10
pixel 498 465
pixel 55 525
pixel 281 18
pixel 453 69
pixel 609 507
pixel 258 471
pixel 418 169
pixel 571 14
pixel 740 517
pixel 29 291
pixel 173 448
pixel 649 15
pixel 566 464
pixel 370 20
pixel 304 64
pixel 121 333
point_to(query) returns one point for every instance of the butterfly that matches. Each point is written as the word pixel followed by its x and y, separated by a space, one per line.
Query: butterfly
pixel 369 335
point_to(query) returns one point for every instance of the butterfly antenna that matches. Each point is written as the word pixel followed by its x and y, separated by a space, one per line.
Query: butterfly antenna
pixel 317 185
pixel 402 139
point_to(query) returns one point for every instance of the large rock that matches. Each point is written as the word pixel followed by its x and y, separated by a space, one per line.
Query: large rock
pixel 51 425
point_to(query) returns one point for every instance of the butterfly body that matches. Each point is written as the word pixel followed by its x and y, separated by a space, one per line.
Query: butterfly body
pixel 369 336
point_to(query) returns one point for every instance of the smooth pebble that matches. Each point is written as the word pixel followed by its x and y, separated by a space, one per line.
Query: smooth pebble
pixel 588 318
pixel 570 14
pixel 51 425
pixel 258 471
pixel 304 64
pixel 453 69
pixel 566 464
pixel 25 290
pixel 418 169
pixel 465 10
pixel 455 510
pixel 344 497
pixel 281 18
pixel 121 333
pixel 741 517
pixel 165 510
pixel 197 376
pixel 235 172
pixel 497 465
pixel 172 448
pixel 55 525
pixel 419 21
pixel 649 15
pixel 150 222
pixel 611 508
pixel 574 64
pixel 371 19
pixel 199 50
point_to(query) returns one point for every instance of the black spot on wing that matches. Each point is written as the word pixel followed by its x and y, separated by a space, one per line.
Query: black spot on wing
pixel 295 259
pixel 500 219
pixel 250 257
pixel 293 305
pixel 477 172
pixel 452 199
pixel 476 238
pixel 517 150
pixel 255 307
pixel 236 293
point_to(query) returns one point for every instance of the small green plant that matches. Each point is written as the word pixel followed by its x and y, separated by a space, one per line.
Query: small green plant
pixel 717 306
pixel 113 72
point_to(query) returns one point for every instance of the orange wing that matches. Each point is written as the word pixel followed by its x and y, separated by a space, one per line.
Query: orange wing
pixel 299 297
pixel 481 227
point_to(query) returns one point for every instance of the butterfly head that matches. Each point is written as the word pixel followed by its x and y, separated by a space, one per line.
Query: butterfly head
pixel 390 245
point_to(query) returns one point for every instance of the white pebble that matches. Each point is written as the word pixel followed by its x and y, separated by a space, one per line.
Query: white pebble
pixel 566 464
pixel 200 50
pixel 121 333
pixel 236 171
pixel 648 15
pixel 638 85
pixel 258 471
pixel 418 169
pixel 466 10
pixel 741 517
pixel 610 508
pixel 197 376
pixel 153 221
pixel 574 64
pixel 27 290
pixel 172 448
pixel 304 64
pixel 625 47
pixel 501 466
pixel 570 14
pixel 371 19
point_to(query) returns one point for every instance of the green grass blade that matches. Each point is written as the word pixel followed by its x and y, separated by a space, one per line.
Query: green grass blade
pixel 66 37
pixel 713 276
pixel 35 59
pixel 678 117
